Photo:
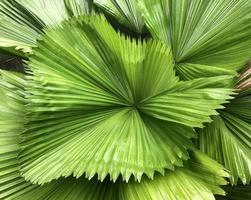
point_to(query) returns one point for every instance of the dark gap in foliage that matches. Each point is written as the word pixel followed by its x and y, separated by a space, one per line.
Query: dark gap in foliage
pixel 11 63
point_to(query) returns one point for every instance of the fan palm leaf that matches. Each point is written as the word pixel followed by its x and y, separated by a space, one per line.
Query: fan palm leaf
pixel 11 115
pixel 196 44
pixel 12 184
pixel 126 12
pixel 228 138
pixel 100 115
pixel 202 33
pixel 203 174
pixel 23 21
pixel 92 101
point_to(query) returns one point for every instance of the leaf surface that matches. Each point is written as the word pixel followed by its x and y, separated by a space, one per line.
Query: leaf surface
pixel 212 33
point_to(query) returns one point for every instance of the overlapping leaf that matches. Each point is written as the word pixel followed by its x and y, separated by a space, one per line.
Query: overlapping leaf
pixel 11 121
pixel 190 102
pixel 201 32
pixel 12 185
pixel 125 11
pixel 198 180
pixel 22 21
pixel 79 7
pixel 228 138
pixel 86 89
pixel 18 27
pixel 73 189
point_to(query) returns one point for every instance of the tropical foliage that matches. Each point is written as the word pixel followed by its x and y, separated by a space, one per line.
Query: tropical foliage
pixel 125 99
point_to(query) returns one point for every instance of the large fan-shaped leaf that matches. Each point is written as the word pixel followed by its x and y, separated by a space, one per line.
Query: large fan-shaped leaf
pixel 125 11
pixel 22 21
pixel 202 174
pixel 85 93
pixel 228 139
pixel 198 180
pixel 86 97
pixel 214 33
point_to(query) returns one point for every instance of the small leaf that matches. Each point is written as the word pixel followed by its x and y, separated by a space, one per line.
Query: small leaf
pixel 22 21
pixel 125 11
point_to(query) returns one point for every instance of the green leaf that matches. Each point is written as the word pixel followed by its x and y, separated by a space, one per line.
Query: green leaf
pixel 188 71
pixel 73 189
pixel 228 139
pixel 79 7
pixel 85 90
pixel 203 174
pixel 51 13
pixel 11 122
pixel 198 180
pixel 190 102
pixel 12 185
pixel 84 101
pixel 18 27
pixel 122 144
pixel 213 33
pixel 22 21
pixel 125 11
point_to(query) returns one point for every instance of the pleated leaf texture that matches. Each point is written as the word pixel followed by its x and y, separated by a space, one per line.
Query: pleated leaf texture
pixel 23 21
pixel 207 37
pixel 125 100
pixel 200 174
pixel 101 103
pixel 230 142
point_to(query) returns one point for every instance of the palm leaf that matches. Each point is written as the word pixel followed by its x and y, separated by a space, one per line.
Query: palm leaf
pixel 198 180
pixel 22 21
pixel 79 7
pixel 18 27
pixel 51 13
pixel 213 33
pixel 228 139
pixel 85 95
pixel 12 185
pixel 203 174
pixel 125 11
pixel 11 120
pixel 244 81
pixel 92 93
pixel 190 102
pixel 189 71
pixel 73 189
